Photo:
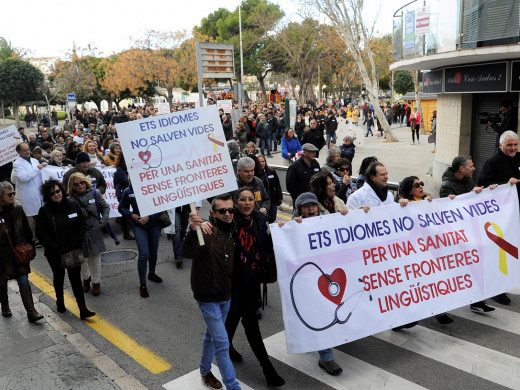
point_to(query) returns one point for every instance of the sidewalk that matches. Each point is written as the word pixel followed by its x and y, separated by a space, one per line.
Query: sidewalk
pixel 400 158
pixel 51 354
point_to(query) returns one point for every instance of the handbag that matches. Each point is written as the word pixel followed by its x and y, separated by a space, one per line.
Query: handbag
pixel 164 219
pixel 72 258
pixel 23 253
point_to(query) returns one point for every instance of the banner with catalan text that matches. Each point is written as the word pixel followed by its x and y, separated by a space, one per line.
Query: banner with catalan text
pixel 57 173
pixel 177 158
pixel 356 275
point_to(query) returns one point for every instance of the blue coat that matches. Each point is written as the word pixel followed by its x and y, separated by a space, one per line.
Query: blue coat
pixel 291 145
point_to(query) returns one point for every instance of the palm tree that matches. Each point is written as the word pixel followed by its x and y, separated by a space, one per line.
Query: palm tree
pixel 6 49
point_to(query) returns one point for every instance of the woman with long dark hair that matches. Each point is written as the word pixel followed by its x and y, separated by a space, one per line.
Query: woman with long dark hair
pixel 253 242
pixel 61 228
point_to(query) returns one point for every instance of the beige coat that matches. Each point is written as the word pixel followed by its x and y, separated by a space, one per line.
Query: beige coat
pixel 338 206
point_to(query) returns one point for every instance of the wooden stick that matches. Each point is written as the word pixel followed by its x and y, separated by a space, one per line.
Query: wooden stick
pixel 199 231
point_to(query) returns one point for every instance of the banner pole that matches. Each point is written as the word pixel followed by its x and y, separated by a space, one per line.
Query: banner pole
pixel 199 231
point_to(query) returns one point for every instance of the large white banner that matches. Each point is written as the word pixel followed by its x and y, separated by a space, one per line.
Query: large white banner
pixel 57 173
pixel 347 277
pixel 176 159
pixel 9 138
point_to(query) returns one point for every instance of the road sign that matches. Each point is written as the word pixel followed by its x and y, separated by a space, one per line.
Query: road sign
pixel 71 100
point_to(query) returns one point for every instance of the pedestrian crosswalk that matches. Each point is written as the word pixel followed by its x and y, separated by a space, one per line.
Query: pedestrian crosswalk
pixel 477 351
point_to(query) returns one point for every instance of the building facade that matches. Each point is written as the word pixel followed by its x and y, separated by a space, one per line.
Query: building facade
pixel 468 53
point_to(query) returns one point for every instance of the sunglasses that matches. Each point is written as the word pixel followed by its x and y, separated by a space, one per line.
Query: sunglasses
pixel 342 169
pixel 417 185
pixel 52 193
pixel 224 211
pixel 79 183
pixel 11 194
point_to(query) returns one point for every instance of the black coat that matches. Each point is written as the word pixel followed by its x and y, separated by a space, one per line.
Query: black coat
pixel 499 168
pixel 314 137
pixel 298 179
pixel 60 227
pixel 19 231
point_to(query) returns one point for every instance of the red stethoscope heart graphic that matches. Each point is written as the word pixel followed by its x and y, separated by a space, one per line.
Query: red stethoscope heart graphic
pixel 145 156
pixel 334 289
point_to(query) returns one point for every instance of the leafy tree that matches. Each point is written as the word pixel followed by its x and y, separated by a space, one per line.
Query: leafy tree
pixel 349 20
pixel 403 82
pixel 302 46
pixel 19 82
pixel 259 18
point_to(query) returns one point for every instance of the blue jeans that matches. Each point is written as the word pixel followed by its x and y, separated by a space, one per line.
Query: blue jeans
pixel 265 144
pixel 23 282
pixel 326 355
pixel 331 137
pixel 216 343
pixel 369 130
pixel 147 244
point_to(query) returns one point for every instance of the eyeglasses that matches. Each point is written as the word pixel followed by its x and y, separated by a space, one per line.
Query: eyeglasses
pixel 417 185
pixel 11 194
pixel 52 193
pixel 224 211
pixel 78 183
pixel 343 169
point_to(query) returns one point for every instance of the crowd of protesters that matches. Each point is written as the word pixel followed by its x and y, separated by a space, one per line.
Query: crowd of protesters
pixel 88 141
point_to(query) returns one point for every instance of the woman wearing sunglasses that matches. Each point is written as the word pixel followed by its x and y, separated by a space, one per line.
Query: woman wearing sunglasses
pixel 146 232
pixel 253 241
pixel 61 228
pixel 80 189
pixel 412 188
pixel 12 218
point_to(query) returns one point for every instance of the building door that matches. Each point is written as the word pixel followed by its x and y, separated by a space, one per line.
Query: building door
pixel 482 139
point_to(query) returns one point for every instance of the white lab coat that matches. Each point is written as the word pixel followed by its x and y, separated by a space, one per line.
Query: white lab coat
pixel 28 180
pixel 366 196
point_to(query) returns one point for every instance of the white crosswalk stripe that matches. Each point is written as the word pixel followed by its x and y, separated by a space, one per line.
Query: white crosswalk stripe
pixel 192 381
pixel 500 318
pixel 480 361
pixel 357 374
pixel 471 364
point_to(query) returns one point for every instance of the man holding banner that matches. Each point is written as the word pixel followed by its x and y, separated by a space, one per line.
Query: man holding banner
pixel 211 274
pixel 503 167
pixel 458 180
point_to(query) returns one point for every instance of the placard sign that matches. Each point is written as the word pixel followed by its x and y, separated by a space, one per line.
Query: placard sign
pixel 356 275
pixel 9 138
pixel 57 173
pixel 225 105
pixel 177 158
pixel 476 78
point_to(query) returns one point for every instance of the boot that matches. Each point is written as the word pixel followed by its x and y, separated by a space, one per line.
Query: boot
pixel 271 376
pixel 86 284
pixel 4 301
pixel 126 231
pixel 96 289
pixel 85 313
pixel 28 303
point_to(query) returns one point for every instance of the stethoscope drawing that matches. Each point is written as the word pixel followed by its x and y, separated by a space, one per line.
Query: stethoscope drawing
pixel 146 155
pixel 334 290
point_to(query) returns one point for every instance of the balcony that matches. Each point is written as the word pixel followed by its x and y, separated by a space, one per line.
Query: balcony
pixel 433 33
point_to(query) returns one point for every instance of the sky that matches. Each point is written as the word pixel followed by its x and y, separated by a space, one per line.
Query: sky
pixel 48 27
